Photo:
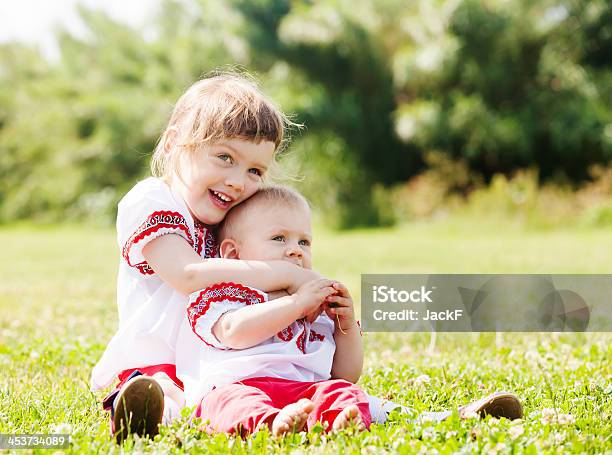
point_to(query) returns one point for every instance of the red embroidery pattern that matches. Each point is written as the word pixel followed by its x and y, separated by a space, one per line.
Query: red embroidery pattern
pixel 200 232
pixel 232 291
pixel 154 222
pixel 314 336
pixel 196 310
pixel 144 268
pixel 211 247
pixel 205 237
pixel 219 293
pixel 301 339
pixel 286 334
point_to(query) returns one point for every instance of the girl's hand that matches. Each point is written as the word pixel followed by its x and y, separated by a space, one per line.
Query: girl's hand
pixel 312 317
pixel 311 296
pixel 340 309
pixel 301 276
pixel 283 293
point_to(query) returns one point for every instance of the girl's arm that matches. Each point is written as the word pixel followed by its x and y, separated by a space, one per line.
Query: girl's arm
pixel 348 359
pixel 253 324
pixel 177 264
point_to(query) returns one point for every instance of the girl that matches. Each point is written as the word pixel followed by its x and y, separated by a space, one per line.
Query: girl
pixel 220 141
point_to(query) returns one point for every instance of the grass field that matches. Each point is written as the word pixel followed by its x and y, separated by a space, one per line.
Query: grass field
pixel 57 311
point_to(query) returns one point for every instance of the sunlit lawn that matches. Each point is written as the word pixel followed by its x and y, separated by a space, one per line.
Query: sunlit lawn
pixel 57 311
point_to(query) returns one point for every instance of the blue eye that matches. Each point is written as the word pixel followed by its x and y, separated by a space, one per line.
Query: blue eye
pixel 304 243
pixel 278 238
pixel 225 157
pixel 255 171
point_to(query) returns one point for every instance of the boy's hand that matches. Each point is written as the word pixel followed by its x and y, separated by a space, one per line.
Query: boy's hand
pixel 311 296
pixel 340 309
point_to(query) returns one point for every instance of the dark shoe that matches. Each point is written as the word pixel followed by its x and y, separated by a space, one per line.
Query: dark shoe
pixel 138 408
pixel 498 404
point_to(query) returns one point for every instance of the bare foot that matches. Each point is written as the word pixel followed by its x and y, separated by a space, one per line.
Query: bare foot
pixel 292 418
pixel 349 415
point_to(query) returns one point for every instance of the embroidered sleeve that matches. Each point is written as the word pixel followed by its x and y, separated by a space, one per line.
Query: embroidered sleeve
pixel 208 305
pixel 145 217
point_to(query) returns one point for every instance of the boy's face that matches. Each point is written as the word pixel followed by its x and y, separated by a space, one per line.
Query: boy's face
pixel 273 232
pixel 221 176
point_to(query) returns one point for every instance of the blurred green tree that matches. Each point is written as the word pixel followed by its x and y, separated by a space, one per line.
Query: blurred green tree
pixel 497 84
pixel 351 115
pixel 76 134
pixel 500 84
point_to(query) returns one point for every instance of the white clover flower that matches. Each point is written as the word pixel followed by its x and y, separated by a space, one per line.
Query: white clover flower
pixel 550 416
pixel 429 433
pixel 61 428
pixel 566 419
pixel 516 431
pixel 547 415
pixel 499 447
pixel 422 379
pixel 427 418
pixel 532 355
pixel 470 415
pixel 559 438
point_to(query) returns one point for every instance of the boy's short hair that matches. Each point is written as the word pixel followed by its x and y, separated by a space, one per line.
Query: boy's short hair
pixel 222 106
pixel 275 194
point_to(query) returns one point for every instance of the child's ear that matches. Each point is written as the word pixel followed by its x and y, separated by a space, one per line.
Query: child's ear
pixel 170 138
pixel 229 249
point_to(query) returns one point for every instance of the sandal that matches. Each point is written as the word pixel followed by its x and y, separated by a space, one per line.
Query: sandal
pixel 138 408
pixel 498 404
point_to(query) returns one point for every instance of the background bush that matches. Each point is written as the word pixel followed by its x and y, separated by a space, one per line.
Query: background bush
pixel 385 89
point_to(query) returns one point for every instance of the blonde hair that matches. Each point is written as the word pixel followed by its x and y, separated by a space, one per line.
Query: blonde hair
pixel 269 194
pixel 221 106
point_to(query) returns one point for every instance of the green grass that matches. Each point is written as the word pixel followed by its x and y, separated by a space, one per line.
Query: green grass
pixel 57 311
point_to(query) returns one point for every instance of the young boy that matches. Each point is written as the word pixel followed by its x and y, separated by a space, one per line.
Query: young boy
pixel 238 346
pixel 249 362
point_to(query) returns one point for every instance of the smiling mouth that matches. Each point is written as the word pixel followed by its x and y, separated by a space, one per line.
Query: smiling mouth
pixel 221 200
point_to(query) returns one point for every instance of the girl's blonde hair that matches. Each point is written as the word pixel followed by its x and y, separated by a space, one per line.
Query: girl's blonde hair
pixel 221 106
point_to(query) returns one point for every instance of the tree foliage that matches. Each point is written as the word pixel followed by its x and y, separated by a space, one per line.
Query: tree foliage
pixel 501 85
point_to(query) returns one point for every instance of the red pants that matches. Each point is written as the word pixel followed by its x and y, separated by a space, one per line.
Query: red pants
pixel 245 406
pixel 150 370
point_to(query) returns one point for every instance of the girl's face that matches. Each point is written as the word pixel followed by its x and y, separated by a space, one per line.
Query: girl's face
pixel 222 175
